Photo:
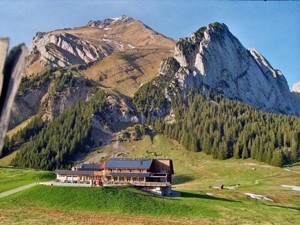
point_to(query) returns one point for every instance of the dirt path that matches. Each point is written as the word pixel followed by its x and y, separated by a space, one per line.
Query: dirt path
pixel 13 191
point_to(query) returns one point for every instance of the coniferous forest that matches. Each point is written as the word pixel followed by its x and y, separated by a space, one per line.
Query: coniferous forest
pixel 56 145
pixel 224 128
pixel 204 122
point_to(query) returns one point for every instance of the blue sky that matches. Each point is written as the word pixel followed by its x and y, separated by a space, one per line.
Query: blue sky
pixel 273 28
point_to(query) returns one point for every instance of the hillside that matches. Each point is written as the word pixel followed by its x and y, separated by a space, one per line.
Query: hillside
pixel 118 54
pixel 11 178
pixel 188 99
pixel 196 175
pixel 92 42
pixel 213 59
pixel 129 70
pixel 218 126
pixel 227 130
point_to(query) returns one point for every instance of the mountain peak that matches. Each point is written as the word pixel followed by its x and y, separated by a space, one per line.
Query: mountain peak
pixel 92 42
pixel 110 21
pixel 213 57
pixel 217 25
pixel 211 29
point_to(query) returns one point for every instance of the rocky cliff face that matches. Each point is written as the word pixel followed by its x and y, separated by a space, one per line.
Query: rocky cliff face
pixel 97 48
pixel 213 59
pixel 54 95
pixel 27 105
pixel 64 49
pixel 106 23
pixel 92 42
pixel 48 97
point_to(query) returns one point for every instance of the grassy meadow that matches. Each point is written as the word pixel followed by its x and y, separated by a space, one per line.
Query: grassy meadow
pixel 11 178
pixel 6 160
pixel 196 175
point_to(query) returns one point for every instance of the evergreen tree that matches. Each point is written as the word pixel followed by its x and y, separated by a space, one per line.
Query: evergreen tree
pixel 245 153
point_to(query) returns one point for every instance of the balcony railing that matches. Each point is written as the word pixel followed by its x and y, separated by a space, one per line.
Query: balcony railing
pixel 151 184
pixel 138 183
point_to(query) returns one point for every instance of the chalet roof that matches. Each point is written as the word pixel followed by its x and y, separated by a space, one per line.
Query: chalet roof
pixel 74 172
pixel 128 163
pixel 93 166
pixel 120 174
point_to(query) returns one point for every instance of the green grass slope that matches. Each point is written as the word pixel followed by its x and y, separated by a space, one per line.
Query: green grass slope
pixel 127 201
pixel 11 178
pixel 123 200
pixel 6 160
pixel 195 176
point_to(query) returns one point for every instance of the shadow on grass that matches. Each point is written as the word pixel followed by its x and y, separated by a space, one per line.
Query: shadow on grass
pixel 181 179
pixel 183 194
pixel 286 207
pixel 297 164
pixel 152 134
pixel 202 196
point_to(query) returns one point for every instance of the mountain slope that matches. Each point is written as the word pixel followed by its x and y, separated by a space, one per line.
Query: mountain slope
pixel 92 42
pixel 120 54
pixel 188 100
pixel 129 70
pixel 214 59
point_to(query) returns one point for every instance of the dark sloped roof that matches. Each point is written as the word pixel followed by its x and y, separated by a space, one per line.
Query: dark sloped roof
pixel 74 172
pixel 94 167
pixel 128 163
pixel 120 174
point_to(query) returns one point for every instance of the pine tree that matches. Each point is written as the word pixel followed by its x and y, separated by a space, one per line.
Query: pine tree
pixel 245 153
pixel 277 159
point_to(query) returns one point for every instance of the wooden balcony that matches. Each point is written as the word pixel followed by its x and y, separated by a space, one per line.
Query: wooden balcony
pixel 151 184
pixel 137 183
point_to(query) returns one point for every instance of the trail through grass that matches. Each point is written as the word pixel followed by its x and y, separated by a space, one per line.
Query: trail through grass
pixel 196 174
pixel 11 178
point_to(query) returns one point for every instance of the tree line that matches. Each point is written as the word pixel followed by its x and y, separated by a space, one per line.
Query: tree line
pixel 57 144
pixel 224 128
pixel 15 141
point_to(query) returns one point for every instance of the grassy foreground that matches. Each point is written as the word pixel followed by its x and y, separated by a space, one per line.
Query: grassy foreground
pixel 12 178
pixel 195 176
pixel 192 207
pixel 6 160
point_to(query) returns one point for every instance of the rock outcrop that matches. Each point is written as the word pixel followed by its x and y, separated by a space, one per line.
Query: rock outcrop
pixel 214 59
pixel 64 49
pixel 106 23
pixel 27 105
pixel 45 99
pixel 92 42
pixel 91 51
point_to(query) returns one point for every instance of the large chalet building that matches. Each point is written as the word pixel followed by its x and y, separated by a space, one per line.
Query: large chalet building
pixel 154 175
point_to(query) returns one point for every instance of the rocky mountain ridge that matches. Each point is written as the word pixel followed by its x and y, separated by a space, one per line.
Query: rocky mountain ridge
pixel 90 52
pixel 92 42
pixel 110 22
pixel 211 59
pixel 96 78
pixel 214 59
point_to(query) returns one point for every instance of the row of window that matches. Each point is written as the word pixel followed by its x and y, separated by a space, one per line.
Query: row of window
pixel 125 179
pixel 127 170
